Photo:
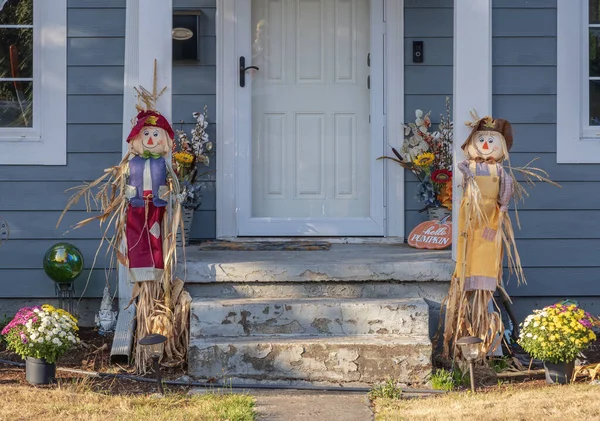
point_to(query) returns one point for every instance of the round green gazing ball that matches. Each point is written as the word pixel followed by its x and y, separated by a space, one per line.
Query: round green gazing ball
pixel 63 263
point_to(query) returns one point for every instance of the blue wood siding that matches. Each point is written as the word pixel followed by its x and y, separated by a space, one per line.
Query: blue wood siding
pixel 34 196
pixel 194 86
pixel 559 239
pixel 95 59
pixel 560 235
pixel 427 84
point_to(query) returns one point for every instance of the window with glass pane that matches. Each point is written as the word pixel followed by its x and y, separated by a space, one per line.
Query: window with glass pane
pixel 594 62
pixel 16 63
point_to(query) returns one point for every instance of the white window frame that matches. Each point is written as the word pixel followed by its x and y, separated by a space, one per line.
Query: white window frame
pixel 46 142
pixel 577 141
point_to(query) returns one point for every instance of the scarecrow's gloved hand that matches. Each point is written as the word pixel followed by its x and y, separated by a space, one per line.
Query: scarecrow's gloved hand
pixel 131 195
pixel 465 170
pixel 503 208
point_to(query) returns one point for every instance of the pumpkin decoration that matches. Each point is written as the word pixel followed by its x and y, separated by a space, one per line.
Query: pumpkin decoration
pixel 431 235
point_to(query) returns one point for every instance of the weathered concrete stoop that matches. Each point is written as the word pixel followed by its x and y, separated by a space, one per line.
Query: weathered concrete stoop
pixel 312 339
pixel 357 359
pixel 263 317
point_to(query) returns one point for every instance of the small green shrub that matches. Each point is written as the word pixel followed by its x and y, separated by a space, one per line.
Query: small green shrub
pixel 500 364
pixel 442 379
pixel 4 320
pixel 461 378
pixel 387 390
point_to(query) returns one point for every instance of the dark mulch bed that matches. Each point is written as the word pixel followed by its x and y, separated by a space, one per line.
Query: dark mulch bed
pixel 93 354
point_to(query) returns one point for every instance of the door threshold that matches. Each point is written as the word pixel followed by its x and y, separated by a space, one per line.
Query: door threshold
pixel 332 240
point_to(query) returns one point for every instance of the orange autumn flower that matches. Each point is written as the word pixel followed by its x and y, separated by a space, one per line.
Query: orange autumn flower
pixel 445 196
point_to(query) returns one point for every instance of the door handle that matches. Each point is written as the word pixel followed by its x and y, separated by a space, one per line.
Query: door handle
pixel 243 70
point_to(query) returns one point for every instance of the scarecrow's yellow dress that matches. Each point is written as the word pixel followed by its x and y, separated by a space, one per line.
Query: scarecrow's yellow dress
pixel 478 272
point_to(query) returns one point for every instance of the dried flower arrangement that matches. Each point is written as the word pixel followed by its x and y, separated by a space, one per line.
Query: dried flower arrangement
pixel 428 155
pixel 187 155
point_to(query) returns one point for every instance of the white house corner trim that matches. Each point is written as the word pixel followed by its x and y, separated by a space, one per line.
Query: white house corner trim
pixel 394 82
pixel 472 76
pixel 143 44
pixel 226 201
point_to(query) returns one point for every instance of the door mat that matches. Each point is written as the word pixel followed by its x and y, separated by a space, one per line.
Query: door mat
pixel 266 245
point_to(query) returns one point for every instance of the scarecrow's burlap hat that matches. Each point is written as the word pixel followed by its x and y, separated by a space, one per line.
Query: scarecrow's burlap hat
pixel 488 124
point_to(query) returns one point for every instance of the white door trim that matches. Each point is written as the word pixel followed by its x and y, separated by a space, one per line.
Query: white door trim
pixel 226 145
pixel 472 81
pixel 394 111
pixel 228 149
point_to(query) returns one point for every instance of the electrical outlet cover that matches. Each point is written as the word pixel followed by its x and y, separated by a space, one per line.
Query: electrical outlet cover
pixel 4 231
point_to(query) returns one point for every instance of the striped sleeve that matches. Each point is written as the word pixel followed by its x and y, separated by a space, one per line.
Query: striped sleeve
pixel 506 188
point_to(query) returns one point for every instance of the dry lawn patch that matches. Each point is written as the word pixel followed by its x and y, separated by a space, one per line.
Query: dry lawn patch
pixel 72 403
pixel 576 401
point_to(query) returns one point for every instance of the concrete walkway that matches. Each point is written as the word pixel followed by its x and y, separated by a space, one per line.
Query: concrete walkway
pixel 296 405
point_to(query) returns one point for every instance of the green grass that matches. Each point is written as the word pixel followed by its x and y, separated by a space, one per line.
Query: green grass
pixel 387 390
pixel 540 402
pixel 76 402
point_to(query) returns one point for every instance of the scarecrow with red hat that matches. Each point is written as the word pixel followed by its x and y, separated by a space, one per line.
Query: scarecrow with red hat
pixel 134 198
pixel 485 235
pixel 149 141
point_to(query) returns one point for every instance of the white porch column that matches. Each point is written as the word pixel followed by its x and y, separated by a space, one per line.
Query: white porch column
pixel 147 37
pixel 472 81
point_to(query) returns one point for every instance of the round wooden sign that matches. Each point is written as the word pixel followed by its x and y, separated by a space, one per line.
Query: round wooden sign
pixel 432 235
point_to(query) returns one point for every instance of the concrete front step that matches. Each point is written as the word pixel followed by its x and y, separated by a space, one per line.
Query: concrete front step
pixel 361 359
pixel 308 316
pixel 342 263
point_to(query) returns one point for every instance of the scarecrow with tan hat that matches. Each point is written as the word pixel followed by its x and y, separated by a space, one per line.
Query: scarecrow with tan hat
pixel 485 235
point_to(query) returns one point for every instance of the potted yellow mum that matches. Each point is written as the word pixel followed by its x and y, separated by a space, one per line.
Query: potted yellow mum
pixel 556 335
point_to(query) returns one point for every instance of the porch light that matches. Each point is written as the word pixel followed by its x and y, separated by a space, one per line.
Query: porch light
pixel 470 347
pixel 154 345
pixel 181 34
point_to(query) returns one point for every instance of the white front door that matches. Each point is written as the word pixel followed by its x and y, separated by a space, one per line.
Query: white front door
pixel 310 119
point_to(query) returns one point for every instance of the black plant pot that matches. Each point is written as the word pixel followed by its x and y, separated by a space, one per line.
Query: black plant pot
pixel 560 373
pixel 38 371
